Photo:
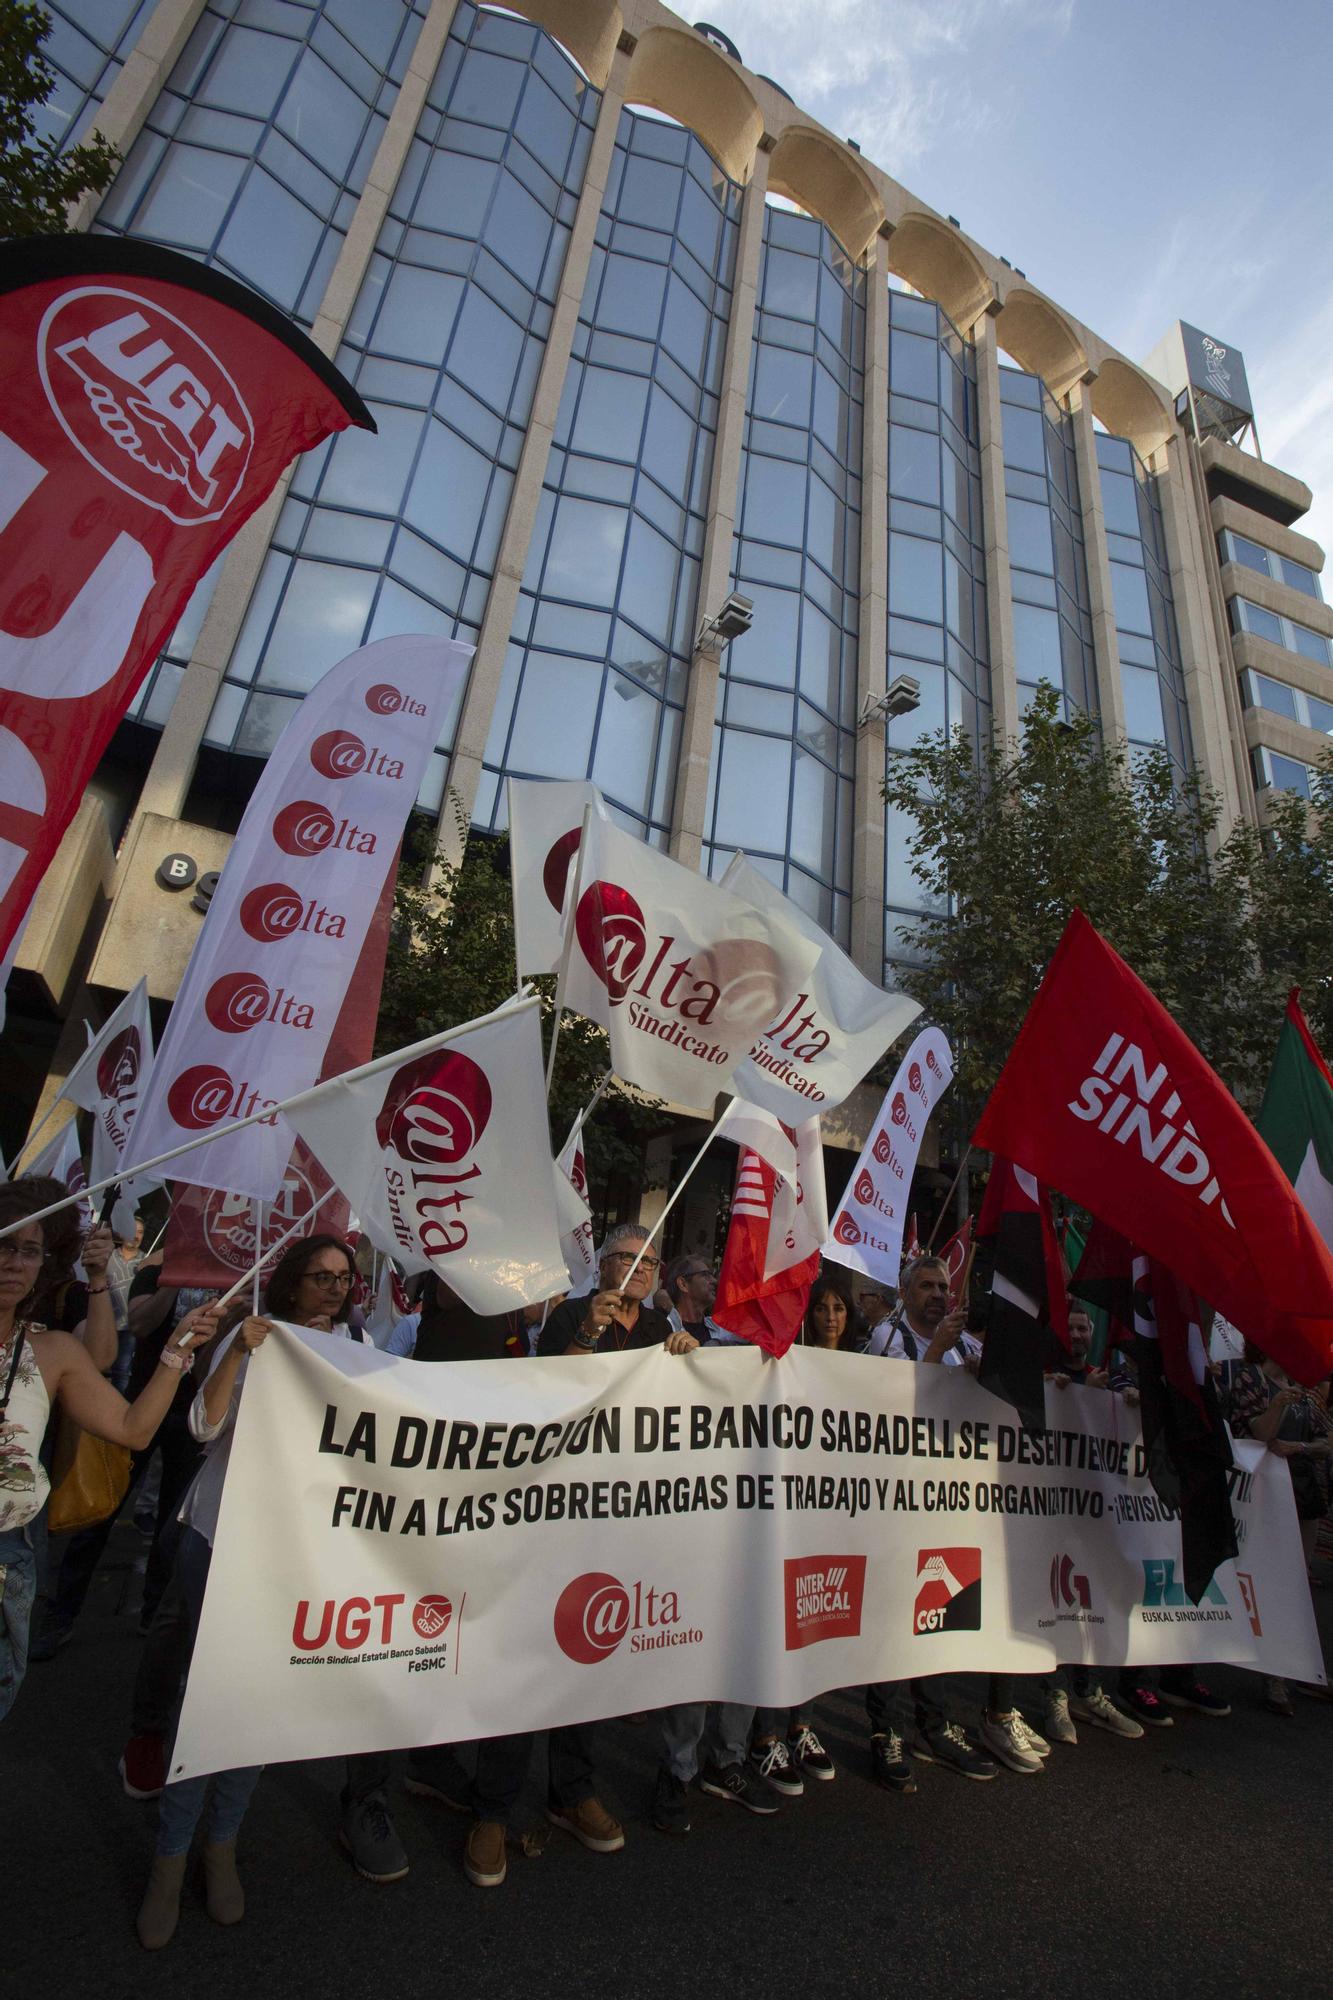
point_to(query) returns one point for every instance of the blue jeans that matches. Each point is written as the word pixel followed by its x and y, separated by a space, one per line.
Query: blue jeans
pixel 183 1803
pixel 19 1564
pixel 684 1726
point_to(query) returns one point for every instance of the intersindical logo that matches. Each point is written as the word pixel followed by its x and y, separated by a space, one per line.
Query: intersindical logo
pixel 822 1597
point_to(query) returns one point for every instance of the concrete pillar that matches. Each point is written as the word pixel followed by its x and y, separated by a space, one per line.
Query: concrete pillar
pixel 696 741
pixel 121 114
pixel 474 722
pixel 1105 645
pixel 999 598
pixel 872 652
pixel 1211 694
pixel 169 775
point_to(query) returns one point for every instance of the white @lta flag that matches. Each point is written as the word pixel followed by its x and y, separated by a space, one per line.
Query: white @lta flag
pixel 267 980
pixel 867 1232
pixel 682 973
pixel 110 1080
pixel 442 1151
pixel 813 1058
pixel 571 1198
pixel 545 823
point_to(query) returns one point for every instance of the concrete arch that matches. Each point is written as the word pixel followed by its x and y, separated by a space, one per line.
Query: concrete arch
pixel 826 180
pixel 680 73
pixel 1041 340
pixel 1131 405
pixel 588 29
pixel 932 256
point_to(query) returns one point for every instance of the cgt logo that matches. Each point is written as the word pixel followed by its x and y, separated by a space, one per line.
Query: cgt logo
pixel 274 911
pixel 349 1625
pixel 823 1597
pixel 385 700
pixel 340 753
pixel 733 982
pixel 596 1612
pixel 240 1001
pixel 1067 1586
pixel 948 1591
pixel 143 400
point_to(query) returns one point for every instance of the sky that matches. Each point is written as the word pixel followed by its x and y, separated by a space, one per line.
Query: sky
pixel 1143 161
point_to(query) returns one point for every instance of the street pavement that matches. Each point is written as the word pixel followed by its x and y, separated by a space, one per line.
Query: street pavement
pixel 1193 1863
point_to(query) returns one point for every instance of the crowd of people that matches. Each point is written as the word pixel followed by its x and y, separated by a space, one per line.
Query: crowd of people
pixel 63 1342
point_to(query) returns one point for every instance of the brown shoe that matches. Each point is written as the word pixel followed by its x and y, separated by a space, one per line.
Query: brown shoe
pixel 484 1861
pixel 591 1823
pixel 160 1909
pixel 224 1897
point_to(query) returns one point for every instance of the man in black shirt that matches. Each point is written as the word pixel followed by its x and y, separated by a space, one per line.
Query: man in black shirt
pixel 615 1316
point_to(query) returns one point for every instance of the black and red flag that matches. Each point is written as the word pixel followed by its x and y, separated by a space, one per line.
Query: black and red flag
pixel 1028 1297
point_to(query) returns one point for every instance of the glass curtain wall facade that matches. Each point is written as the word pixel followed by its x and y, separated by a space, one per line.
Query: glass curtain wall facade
pixel 785 743
pixel 1151 676
pixel 1047 562
pixel 937 587
pixel 595 674
pixel 86 48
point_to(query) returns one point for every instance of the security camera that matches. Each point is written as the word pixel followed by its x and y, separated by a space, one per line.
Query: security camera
pixel 732 621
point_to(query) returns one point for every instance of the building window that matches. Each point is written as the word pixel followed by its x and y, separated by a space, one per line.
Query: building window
pixel 1284 774
pixel 1047 564
pixel 1240 549
pixel 1264 624
pixel 86 48
pixel 1146 635
pixel 1261 691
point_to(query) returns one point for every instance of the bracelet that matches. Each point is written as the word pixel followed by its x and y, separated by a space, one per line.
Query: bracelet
pixel 176 1359
pixel 587 1341
pixel 94 1290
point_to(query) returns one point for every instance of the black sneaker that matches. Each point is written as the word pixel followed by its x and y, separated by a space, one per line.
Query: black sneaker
pixel 1193 1694
pixel 772 1763
pixel 1143 1705
pixel 47 1641
pixel 809 1756
pixel 888 1765
pixel 671 1804
pixel 740 1786
pixel 946 1744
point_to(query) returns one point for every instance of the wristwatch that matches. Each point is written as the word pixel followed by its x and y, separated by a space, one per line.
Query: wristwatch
pixel 587 1341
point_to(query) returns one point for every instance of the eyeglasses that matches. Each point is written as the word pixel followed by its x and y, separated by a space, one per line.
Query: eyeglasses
pixel 340 1279
pixel 27 1253
pixel 646 1263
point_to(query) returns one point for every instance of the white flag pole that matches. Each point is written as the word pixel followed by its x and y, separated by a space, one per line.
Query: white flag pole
pixel 257 1211
pixel 680 1189
pixel 588 1110
pixel 31 1140
pixel 251 1277
pixel 392 1061
pixel 573 890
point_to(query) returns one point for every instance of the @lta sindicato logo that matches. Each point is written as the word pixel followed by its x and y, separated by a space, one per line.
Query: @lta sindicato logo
pixel 948 1591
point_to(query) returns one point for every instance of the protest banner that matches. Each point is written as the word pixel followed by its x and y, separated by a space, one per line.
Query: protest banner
pixel 867 1230
pixel 450 1548
pixel 151 404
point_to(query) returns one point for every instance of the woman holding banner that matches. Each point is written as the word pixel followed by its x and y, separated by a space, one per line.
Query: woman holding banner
pixel 309 1287
pixel 38 1370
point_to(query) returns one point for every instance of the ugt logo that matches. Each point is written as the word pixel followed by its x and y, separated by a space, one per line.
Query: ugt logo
pixel 948 1591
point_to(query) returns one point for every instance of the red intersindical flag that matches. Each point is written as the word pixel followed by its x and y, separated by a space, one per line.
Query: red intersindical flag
pixel 767 1311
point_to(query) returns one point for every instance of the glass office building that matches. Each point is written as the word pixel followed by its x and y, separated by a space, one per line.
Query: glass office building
pixel 637 333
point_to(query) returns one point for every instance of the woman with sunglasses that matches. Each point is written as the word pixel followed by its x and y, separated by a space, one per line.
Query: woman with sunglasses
pixel 310 1286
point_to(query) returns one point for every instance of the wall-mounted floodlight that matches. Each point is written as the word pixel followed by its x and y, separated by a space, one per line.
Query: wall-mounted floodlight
pixel 902 695
pixel 732 621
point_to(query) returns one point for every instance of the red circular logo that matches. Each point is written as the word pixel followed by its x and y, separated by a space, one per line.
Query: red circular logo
pixel 931 1063
pixel 430 1616
pixel 118 1064
pixel 304 827
pixel 435 1110
pixel 555 873
pixel 865 1186
pixel 386 700
pixel 898 1109
pixel 591 1617
pixel 846 1231
pixel 338 754
pixel 914 1078
pixel 271 911
pixel 746 974
pixel 883 1146
pixel 237 1002
pixel 200 1096
pixel 610 929
pixel 143 400
pixel 228 1222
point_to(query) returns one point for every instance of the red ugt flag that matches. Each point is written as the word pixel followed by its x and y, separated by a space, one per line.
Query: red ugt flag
pixel 1106 1099
pixel 767 1311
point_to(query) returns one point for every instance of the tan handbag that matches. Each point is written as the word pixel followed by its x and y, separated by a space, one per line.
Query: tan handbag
pixel 89 1479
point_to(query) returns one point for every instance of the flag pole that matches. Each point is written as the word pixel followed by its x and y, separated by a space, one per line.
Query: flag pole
pixel 252 1275
pixel 35 1133
pixel 944 1205
pixel 588 1109
pixel 680 1189
pixel 257 1210
pixel 573 890
pixel 270 1111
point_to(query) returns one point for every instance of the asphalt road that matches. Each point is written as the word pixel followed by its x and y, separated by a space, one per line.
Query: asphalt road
pixel 1193 1863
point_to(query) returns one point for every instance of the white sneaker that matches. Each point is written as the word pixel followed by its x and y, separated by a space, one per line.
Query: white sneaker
pixel 1006 1737
pixel 1098 1708
pixel 1033 1740
pixel 1055 1719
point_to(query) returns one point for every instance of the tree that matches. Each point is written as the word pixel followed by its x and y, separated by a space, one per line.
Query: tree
pixel 451 957
pixel 1007 845
pixel 37 180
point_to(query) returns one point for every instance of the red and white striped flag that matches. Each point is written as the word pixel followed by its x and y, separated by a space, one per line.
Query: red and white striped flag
pixel 778 1221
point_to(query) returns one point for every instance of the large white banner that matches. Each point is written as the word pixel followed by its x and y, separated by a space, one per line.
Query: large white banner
pixel 459 1550
pixel 812 1059
pixel 867 1232
pixel 680 972
pixel 268 977
pixel 545 825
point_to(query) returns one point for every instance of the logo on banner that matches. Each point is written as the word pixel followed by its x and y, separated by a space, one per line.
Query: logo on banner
pixel 204 1095
pixel 117 1078
pixel 1071 1596
pixel 822 1596
pixel 142 399
pixel 339 753
pixel 1250 1601
pixel 948 1591
pixel 361 1631
pixel 845 1230
pixel 385 700
pixel 228 1225
pixel 432 1118
pixel 305 827
pixel 734 982
pixel 1166 1602
pixel 240 1001
pixel 430 1616
pixel 1173 1148
pixel 883 1146
pixel 865 1187
pixel 555 869
pixel 274 911
pixel 595 1613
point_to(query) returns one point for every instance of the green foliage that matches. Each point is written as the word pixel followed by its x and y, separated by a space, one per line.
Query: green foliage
pixel 451 958
pixel 36 179
pixel 1006 847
